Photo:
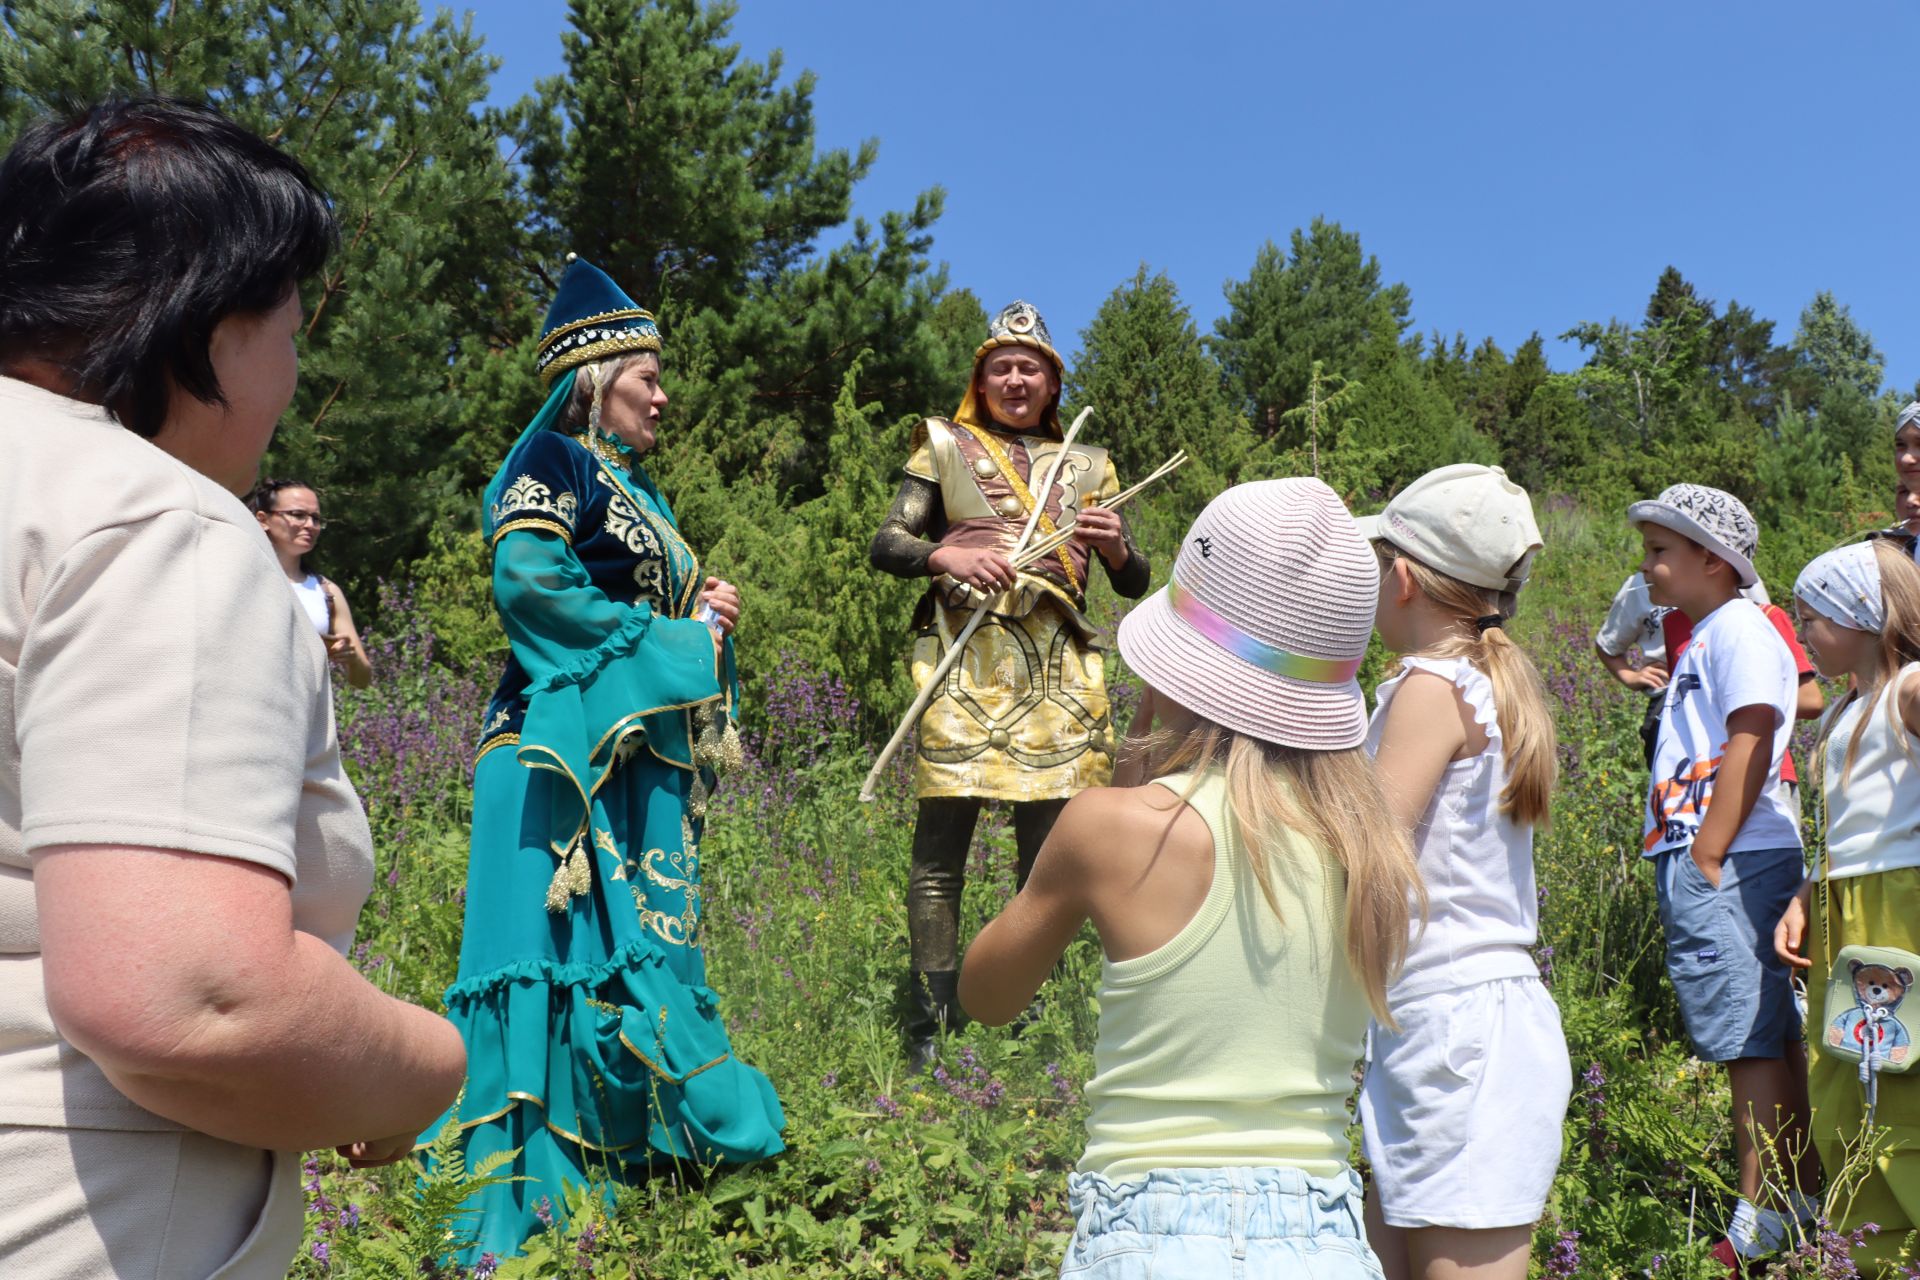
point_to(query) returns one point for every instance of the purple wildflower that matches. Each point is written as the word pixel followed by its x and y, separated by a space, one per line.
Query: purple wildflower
pixel 484 1269
pixel 544 1211
pixel 1564 1261
pixel 886 1106
pixel 320 1252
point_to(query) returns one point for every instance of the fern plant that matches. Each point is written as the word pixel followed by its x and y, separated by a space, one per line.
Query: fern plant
pixel 425 1226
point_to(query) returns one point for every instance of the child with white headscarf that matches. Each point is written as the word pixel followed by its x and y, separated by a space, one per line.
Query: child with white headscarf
pixel 1859 609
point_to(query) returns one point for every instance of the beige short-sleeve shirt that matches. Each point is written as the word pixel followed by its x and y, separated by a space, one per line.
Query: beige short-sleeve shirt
pixel 159 687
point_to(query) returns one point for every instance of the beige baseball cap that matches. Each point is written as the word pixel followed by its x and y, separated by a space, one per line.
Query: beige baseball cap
pixel 1468 521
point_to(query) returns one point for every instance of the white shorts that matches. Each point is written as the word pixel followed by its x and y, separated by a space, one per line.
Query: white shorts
pixel 1462 1106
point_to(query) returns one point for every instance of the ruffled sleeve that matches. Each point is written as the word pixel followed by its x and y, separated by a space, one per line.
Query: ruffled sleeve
pixel 1476 690
pixel 601 675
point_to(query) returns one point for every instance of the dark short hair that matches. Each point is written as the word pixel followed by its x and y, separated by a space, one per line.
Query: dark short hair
pixel 130 229
pixel 264 495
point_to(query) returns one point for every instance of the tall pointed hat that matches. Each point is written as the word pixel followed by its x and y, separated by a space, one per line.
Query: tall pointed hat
pixel 1018 325
pixel 591 318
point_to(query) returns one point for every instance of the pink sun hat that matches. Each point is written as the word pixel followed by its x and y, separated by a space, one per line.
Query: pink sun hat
pixel 1266 619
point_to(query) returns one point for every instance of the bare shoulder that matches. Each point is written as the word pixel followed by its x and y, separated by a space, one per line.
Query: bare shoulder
pixel 1428 700
pixel 1112 827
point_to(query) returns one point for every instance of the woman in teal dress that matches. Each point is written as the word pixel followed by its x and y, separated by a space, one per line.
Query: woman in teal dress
pixel 595 1048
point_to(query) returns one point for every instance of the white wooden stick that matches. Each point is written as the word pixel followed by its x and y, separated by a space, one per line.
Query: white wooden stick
pixel 868 789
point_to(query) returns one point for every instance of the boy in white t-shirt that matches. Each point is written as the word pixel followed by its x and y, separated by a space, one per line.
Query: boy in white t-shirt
pixel 1725 839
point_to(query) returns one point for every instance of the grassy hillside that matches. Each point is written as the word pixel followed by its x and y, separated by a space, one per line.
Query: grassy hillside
pixel 962 1173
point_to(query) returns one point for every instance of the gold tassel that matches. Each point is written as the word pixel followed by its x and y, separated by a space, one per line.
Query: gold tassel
pixel 557 896
pixel 579 874
pixel 697 797
pixel 732 753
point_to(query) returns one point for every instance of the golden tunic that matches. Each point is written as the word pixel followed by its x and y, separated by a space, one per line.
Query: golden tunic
pixel 1023 714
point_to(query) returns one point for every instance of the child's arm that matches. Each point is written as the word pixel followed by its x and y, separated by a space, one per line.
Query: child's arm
pixel 1737 785
pixel 1012 956
pixel 1421 734
pixel 1909 697
pixel 1809 701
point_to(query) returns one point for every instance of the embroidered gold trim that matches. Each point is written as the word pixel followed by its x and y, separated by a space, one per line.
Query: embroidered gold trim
pixel 1024 494
pixel 563 361
pixel 665 532
pixel 532 522
pixel 661 1072
pixel 601 317
pixel 528 494
pixel 504 740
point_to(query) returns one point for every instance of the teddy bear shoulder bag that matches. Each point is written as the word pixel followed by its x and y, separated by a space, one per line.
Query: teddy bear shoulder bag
pixel 1863 1016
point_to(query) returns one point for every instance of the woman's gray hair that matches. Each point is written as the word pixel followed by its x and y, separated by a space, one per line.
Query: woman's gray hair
pixel 593 379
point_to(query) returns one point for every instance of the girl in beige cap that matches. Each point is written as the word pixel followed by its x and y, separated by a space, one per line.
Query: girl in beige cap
pixel 1252 903
pixel 1463 1100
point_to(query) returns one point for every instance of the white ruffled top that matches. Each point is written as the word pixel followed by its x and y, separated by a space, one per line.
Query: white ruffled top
pixel 1483 912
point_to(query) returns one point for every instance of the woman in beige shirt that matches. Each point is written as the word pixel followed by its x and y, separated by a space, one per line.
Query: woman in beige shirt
pixel 181 857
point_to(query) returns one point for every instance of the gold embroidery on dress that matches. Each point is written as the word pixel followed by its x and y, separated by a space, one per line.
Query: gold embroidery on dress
pixel 528 494
pixel 682 930
pixel 654 581
pixel 605 842
pixel 500 718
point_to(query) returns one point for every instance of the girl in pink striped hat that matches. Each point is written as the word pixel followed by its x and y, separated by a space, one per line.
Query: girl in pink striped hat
pixel 1252 902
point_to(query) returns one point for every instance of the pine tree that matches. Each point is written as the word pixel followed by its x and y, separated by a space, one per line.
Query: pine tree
pixel 1154 389
pixel 691 175
pixel 1322 300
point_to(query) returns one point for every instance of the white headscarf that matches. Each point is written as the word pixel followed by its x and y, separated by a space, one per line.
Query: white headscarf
pixel 1908 416
pixel 1844 587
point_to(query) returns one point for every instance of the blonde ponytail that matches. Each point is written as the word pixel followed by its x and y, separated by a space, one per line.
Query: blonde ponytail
pixel 1529 744
pixel 1331 800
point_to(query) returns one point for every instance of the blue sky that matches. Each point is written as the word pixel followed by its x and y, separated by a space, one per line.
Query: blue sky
pixel 1519 166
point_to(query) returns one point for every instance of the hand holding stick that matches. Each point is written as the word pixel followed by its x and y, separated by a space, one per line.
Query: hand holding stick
pixel 927 691
pixel 1021 559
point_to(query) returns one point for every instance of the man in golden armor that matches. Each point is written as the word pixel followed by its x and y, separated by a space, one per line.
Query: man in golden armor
pixel 1022 717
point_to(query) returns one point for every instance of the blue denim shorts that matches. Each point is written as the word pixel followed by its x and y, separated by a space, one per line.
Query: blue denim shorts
pixel 1218 1224
pixel 1736 995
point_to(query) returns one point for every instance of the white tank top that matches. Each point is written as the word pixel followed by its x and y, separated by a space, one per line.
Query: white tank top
pixel 1873 822
pixel 313 598
pixel 1476 862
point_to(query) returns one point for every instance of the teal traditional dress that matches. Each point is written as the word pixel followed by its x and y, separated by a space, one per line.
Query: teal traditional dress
pixel 595 1048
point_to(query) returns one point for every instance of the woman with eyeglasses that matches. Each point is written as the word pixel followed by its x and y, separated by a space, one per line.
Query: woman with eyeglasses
pixel 289 511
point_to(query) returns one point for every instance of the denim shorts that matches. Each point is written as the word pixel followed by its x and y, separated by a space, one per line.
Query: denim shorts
pixel 1735 994
pixel 1218 1224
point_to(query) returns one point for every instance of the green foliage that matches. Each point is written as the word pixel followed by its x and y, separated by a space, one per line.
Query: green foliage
pixel 424 1214
pixel 691 175
pixel 1320 300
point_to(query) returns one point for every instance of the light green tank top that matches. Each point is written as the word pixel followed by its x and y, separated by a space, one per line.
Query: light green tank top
pixel 1233 1044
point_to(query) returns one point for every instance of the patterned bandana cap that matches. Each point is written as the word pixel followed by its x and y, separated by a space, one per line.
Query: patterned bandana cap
pixel 1711 517
pixel 1844 586
pixel 1908 416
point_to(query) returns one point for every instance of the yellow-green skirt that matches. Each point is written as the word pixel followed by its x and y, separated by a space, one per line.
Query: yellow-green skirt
pixel 1881 909
pixel 1021 716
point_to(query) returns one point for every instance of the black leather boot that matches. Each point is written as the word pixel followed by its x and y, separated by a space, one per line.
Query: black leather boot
pixel 933 1007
